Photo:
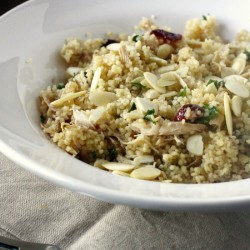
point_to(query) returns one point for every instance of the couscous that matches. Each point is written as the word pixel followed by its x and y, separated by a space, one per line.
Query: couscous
pixel 155 105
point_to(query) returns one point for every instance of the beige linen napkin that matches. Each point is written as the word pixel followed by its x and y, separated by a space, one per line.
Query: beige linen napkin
pixel 32 209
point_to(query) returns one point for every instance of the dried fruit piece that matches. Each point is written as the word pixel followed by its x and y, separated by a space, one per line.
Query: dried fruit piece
pixel 189 112
pixel 195 144
pixel 166 37
pixel 146 173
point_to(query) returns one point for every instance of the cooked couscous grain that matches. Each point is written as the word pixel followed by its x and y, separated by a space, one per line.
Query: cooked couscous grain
pixel 155 105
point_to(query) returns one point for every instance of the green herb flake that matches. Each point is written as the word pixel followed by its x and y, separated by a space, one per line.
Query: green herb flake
pixel 60 86
pixel 112 154
pixel 138 85
pixel 183 92
pixel 247 53
pixel 133 107
pixel 204 17
pixel 42 119
pixel 217 84
pixel 148 116
pixel 211 112
pixel 94 155
pixel 136 38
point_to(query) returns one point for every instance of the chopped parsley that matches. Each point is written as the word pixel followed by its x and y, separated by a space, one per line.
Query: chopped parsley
pixel 112 154
pixel 60 86
pixel 136 38
pixel 247 53
pixel 42 119
pixel 93 155
pixel 133 107
pixel 183 92
pixel 204 17
pixel 210 113
pixel 138 85
pixel 217 84
pixel 148 116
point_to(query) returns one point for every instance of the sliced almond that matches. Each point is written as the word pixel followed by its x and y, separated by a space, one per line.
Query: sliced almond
pixel 226 71
pixel 142 159
pixel 211 88
pixel 165 83
pixel 99 163
pixel 236 105
pixel 137 79
pixel 114 46
pixel 118 166
pixel 152 81
pixel 96 114
pixel 168 68
pixel 72 71
pixel 158 60
pixel 195 144
pixel 152 94
pixel 96 78
pixel 146 173
pixel 173 77
pixel 164 50
pixel 214 78
pixel 236 85
pixel 65 98
pixel 228 115
pixel 102 98
pixel 143 105
pixel 81 119
pixel 118 172
pixel 239 63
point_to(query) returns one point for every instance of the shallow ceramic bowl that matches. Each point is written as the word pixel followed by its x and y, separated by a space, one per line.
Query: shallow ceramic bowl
pixel 31 36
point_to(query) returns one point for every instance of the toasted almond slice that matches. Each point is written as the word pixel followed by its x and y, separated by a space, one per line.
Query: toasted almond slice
pixel 195 144
pixel 102 98
pixel 82 119
pixel 169 94
pixel 181 81
pixel 236 85
pixel 239 63
pixel 135 114
pixel 226 71
pixel 168 68
pixel 114 46
pixel 236 105
pixel 118 166
pixel 118 172
pixel 96 114
pixel 211 89
pixel 137 79
pixel 146 173
pixel 96 78
pixel 72 71
pixel 158 60
pixel 152 94
pixel 228 115
pixel 165 83
pixel 65 98
pixel 143 159
pixel 164 50
pixel 99 163
pixel 152 80
pixel 143 105
pixel 214 78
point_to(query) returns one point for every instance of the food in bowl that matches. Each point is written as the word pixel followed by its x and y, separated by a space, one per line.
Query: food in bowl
pixel 155 105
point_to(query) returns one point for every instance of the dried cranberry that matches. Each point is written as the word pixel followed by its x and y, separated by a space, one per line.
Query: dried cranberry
pixel 165 36
pixel 196 111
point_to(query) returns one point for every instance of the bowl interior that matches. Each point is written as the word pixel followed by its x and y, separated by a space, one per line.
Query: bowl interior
pixel 32 37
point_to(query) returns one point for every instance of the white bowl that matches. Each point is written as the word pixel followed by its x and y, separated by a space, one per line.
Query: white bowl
pixel 36 30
